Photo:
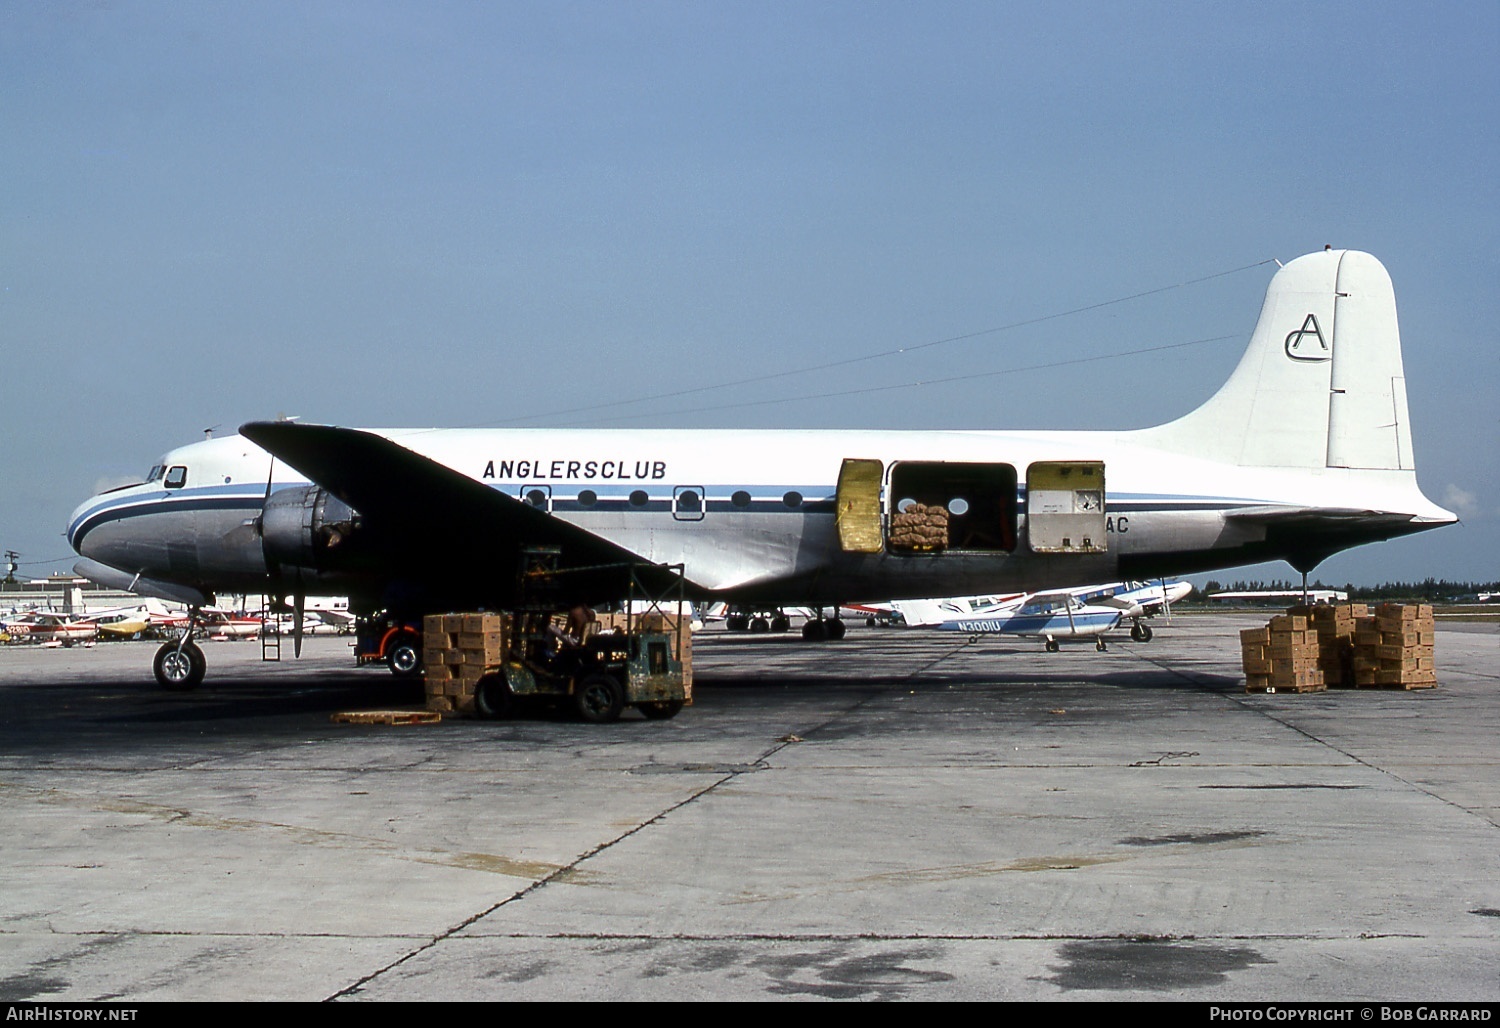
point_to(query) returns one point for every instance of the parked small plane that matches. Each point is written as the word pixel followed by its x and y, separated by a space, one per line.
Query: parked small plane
pixel 1047 616
pixel 1304 452
pixel 1134 600
pixel 52 628
pixel 1138 601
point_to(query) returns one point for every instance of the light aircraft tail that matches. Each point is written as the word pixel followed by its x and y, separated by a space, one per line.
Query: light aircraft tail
pixel 1321 383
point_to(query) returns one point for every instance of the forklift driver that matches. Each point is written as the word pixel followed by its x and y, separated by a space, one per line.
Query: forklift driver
pixel 580 616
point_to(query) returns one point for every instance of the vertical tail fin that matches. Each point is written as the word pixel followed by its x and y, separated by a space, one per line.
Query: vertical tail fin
pixel 1321 383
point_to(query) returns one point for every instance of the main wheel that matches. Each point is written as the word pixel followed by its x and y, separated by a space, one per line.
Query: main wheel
pixel 598 699
pixel 1140 633
pixel 404 656
pixel 492 697
pixel 736 622
pixel 1052 646
pixel 835 629
pixel 662 710
pixel 1099 643
pixel 759 626
pixel 179 669
pixel 815 630
pixel 781 623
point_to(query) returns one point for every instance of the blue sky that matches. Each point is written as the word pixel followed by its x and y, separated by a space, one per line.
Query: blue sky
pixel 490 213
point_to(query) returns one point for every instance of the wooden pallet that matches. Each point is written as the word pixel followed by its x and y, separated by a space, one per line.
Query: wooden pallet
pixel 386 717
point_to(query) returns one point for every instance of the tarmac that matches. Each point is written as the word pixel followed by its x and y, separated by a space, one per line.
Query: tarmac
pixel 902 815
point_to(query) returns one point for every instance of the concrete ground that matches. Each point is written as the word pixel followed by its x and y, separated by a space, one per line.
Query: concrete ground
pixel 901 815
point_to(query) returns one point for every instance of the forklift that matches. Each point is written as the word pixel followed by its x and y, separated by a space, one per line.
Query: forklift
pixel 639 656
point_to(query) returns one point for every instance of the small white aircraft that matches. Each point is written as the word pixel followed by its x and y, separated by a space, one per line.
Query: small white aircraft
pixel 1304 452
pixel 1047 616
pixel 1138 601
pixel 52 628
pixel 1087 613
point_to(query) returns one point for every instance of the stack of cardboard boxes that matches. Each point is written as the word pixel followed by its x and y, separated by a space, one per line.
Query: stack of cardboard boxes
pixel 456 650
pixel 1313 648
pixel 1335 625
pixel 1282 657
pixel 1393 649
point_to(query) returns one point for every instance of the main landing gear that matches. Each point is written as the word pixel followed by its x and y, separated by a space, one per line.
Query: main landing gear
pixel 758 623
pixel 821 629
pixel 815 629
pixel 1140 633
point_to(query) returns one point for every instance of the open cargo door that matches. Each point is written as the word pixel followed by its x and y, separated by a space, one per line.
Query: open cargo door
pixel 1065 506
pixel 949 506
pixel 859 506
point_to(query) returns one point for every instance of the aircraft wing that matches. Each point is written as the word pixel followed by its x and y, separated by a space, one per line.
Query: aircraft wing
pixel 440 526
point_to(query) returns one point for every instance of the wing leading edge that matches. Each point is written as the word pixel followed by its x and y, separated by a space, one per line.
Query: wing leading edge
pixel 434 526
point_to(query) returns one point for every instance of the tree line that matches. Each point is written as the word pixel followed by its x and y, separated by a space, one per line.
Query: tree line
pixel 1426 591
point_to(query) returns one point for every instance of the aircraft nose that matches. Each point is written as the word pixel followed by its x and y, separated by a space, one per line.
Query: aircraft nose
pixel 96 529
pixel 77 533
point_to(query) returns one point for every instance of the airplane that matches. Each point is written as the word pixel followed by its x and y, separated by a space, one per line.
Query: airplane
pixel 1306 450
pixel 1283 595
pixel 926 613
pixel 1049 616
pixel 1138 601
pixel 52 628
pixel 1134 600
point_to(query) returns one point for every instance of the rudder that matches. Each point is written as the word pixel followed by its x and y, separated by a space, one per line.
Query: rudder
pixel 1321 383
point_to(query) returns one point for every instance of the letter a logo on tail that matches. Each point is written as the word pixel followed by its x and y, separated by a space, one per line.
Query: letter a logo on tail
pixel 1295 341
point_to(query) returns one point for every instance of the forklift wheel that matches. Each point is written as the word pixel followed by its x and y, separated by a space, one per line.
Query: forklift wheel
pixel 404 655
pixel 661 710
pixel 492 697
pixel 598 699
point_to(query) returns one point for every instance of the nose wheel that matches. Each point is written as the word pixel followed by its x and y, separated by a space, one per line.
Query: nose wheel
pixel 179 666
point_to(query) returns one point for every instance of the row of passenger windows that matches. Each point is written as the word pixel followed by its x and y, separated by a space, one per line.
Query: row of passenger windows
pixel 690 500
pixel 686 499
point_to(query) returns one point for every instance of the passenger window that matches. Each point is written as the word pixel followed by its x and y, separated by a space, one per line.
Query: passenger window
pixel 687 503
pixel 176 477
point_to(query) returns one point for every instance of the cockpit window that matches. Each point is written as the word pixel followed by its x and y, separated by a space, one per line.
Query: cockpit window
pixel 176 477
pixel 156 472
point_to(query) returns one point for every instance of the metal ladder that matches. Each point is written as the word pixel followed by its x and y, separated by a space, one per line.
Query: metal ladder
pixel 270 633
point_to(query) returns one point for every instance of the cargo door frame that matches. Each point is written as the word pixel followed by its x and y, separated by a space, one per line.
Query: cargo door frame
pixel 1065 507
pixel 957 506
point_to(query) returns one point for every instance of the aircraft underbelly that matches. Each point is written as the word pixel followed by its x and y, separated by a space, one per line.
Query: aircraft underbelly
pixel 1170 531
pixel 788 557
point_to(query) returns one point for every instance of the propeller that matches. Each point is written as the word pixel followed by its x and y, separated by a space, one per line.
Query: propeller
pixel 299 603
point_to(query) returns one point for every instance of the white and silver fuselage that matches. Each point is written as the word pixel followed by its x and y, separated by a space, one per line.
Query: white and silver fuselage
pixel 764 526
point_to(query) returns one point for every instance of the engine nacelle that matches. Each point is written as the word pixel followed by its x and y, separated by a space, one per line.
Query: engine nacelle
pixel 306 527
